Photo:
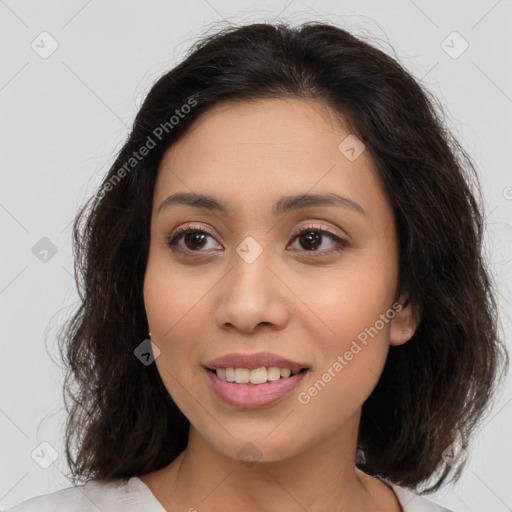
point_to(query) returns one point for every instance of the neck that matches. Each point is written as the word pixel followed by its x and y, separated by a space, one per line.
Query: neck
pixel 322 477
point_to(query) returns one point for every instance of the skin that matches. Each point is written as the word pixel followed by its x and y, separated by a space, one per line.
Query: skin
pixel 304 305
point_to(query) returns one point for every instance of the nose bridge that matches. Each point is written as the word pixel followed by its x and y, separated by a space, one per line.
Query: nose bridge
pixel 252 294
pixel 250 279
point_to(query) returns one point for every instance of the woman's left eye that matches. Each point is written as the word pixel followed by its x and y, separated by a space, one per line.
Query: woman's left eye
pixel 310 237
pixel 313 235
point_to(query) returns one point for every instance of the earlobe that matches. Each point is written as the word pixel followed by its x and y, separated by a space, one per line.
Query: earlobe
pixel 407 334
pixel 405 322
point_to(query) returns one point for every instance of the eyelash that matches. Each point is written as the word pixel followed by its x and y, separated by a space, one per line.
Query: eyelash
pixel 341 244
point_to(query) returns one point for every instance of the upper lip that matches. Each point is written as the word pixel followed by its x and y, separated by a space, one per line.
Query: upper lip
pixel 251 361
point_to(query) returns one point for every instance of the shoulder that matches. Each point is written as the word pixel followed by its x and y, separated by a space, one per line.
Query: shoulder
pixel 90 497
pixel 412 502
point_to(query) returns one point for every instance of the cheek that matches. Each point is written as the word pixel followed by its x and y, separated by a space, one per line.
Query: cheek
pixel 166 311
pixel 351 297
pixel 176 306
pixel 350 368
pixel 354 305
pixel 171 297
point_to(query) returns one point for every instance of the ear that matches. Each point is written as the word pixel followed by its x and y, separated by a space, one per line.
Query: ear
pixel 405 322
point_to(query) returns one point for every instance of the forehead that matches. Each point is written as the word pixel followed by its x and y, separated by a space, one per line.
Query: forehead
pixel 283 126
pixel 264 149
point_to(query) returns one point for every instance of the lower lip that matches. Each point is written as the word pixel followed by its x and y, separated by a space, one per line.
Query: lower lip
pixel 253 396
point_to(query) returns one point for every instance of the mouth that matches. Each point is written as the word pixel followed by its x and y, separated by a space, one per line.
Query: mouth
pixel 248 391
pixel 252 381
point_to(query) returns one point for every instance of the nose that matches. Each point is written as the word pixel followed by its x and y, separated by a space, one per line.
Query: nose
pixel 252 296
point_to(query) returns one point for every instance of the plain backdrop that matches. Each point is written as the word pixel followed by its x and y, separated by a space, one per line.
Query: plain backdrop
pixel 65 115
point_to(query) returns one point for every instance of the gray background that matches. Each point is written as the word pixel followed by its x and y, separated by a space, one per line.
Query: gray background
pixel 65 116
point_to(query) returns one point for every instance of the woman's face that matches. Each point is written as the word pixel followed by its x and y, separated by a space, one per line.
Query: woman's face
pixel 244 283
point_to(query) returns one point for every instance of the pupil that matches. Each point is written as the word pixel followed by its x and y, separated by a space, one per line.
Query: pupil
pixel 195 235
pixel 311 238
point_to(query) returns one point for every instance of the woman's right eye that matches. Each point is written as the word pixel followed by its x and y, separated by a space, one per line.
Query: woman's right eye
pixel 193 238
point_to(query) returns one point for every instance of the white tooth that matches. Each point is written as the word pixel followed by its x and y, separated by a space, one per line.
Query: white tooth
pixel 242 375
pixel 255 376
pixel 258 375
pixel 273 373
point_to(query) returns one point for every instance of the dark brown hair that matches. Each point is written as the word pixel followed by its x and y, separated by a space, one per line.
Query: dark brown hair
pixel 434 389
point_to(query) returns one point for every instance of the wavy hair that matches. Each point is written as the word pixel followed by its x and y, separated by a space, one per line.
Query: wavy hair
pixel 434 389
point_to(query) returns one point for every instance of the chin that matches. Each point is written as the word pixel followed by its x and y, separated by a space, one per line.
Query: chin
pixel 257 449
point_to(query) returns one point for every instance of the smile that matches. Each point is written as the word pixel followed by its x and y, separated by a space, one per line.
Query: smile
pixel 242 393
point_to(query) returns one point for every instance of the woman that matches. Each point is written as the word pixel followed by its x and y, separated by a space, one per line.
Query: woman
pixel 297 231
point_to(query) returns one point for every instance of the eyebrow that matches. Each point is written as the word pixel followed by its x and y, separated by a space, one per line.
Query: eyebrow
pixel 284 205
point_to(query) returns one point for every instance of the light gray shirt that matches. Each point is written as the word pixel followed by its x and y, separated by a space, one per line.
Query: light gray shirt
pixel 134 495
